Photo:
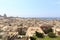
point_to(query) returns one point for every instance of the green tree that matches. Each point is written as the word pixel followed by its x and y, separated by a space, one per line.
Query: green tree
pixel 46 31
pixel 40 35
pixel 32 38
pixel 52 35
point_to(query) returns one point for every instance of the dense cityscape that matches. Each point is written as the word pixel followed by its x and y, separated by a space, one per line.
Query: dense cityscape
pixel 16 28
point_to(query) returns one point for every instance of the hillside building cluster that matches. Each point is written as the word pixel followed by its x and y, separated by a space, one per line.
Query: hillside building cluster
pixel 9 26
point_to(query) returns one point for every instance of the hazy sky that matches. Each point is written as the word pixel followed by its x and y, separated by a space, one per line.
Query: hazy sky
pixel 30 8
